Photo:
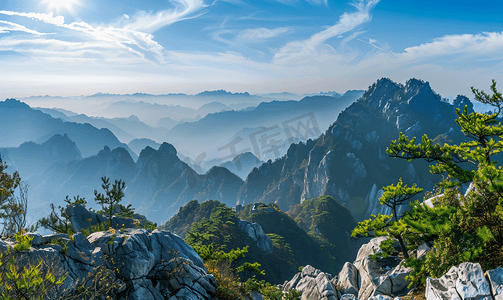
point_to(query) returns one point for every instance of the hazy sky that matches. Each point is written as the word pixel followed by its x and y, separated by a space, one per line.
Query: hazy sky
pixel 74 47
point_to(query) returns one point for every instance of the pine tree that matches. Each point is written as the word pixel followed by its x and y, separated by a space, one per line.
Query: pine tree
pixel 461 229
pixel 382 225
pixel 112 196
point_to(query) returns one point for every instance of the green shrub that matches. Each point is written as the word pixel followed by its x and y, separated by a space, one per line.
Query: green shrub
pixel 23 241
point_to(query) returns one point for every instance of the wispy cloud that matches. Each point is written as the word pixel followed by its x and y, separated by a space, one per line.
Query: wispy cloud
pixel 46 18
pixel 6 27
pixel 135 37
pixel 261 34
pixel 348 21
pixel 148 22
pixel 288 2
pixel 318 2
pixel 466 44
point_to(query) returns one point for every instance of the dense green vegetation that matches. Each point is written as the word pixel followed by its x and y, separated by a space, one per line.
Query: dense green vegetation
pixel 315 233
pixel 189 214
pixel 461 228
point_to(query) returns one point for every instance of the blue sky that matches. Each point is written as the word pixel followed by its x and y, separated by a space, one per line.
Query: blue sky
pixel 75 47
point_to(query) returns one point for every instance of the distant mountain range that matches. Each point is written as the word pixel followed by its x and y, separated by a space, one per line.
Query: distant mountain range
pixel 20 123
pixel 31 158
pixel 284 120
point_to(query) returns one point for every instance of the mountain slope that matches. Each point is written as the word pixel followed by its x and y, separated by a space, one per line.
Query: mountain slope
pixel 349 161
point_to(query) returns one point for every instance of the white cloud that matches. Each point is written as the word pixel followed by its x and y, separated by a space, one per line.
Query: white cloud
pixel 467 44
pixel 261 34
pixel 47 18
pixel 134 38
pixel 299 50
pixel 288 2
pixel 148 22
pixel 6 27
pixel 138 43
pixel 318 2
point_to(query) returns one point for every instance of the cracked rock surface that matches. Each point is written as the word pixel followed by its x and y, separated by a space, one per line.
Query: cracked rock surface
pixel 147 265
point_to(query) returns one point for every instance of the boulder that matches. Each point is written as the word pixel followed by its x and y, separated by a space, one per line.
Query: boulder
pixel 313 284
pixel 381 276
pixel 81 218
pixel 348 279
pixel 255 231
pixel 158 263
pixel 37 238
pixel 467 281
pixel 495 278
pixel 348 297
pixel 256 296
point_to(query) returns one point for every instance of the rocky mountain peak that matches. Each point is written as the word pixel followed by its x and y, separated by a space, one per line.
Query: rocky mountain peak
pixel 462 101
pixel 380 92
pixel 414 84
pixel 119 155
pixel 148 151
pixel 167 149
pixel 420 96
pixel 105 152
pixel 247 156
pixel 62 146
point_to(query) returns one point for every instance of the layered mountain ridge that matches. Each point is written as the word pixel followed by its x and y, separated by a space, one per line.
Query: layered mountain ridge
pixel 349 161
pixel 21 123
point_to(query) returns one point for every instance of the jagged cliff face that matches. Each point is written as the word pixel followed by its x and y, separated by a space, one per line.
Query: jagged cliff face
pixel 349 161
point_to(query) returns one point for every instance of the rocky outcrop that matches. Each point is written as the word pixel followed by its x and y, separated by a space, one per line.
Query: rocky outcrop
pixel 254 230
pixel 383 278
pixel 146 265
pixel 348 279
pixel 81 218
pixel 467 281
pixel 313 284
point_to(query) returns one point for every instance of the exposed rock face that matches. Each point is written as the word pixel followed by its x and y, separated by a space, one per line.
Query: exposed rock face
pixel 495 278
pixel 150 265
pixel 464 282
pixel 254 230
pixel 348 279
pixel 316 176
pixel 364 279
pixel 313 284
pixel 382 276
pixel 384 279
